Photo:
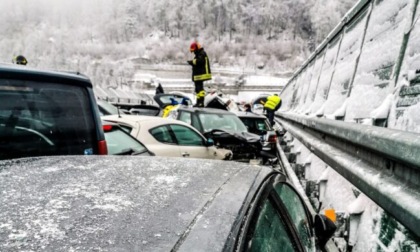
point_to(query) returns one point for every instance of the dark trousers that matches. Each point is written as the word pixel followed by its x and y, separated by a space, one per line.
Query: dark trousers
pixel 199 86
pixel 270 116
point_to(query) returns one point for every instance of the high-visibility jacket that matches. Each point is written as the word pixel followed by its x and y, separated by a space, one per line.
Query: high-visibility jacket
pixel 272 103
pixel 201 66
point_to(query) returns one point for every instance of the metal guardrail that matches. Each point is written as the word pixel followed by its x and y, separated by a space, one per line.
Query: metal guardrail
pixel 330 246
pixel 383 163
pixel 287 168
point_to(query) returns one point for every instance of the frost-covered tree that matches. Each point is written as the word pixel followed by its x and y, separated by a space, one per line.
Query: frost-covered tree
pixel 97 35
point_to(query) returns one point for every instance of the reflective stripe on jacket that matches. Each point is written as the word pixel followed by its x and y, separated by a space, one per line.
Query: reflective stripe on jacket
pixel 201 66
pixel 272 102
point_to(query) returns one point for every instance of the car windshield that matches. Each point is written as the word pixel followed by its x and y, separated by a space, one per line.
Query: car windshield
pixel 256 125
pixel 119 142
pixel 39 119
pixel 221 121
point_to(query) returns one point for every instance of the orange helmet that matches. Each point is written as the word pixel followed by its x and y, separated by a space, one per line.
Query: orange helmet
pixel 194 46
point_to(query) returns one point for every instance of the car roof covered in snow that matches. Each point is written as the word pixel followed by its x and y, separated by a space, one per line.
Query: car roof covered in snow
pixel 27 73
pixel 114 203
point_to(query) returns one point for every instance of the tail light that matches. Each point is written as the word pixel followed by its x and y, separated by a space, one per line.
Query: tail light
pixel 272 139
pixel 107 127
pixel 102 149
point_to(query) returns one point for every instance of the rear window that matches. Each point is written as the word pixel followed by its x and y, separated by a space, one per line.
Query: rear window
pixel 38 119
pixel 256 125
pixel 119 142
pixel 106 108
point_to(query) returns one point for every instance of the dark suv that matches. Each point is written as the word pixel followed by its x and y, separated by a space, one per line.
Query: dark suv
pixel 46 113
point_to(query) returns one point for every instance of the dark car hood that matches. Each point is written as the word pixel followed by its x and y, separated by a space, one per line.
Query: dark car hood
pixel 113 203
pixel 245 137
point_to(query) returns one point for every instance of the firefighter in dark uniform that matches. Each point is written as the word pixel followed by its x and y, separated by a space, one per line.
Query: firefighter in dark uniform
pixel 200 71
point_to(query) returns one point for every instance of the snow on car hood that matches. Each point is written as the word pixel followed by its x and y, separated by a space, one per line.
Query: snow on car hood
pixel 85 203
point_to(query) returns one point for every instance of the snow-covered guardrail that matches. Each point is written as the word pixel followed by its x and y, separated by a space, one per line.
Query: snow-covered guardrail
pixel 364 74
pixel 382 163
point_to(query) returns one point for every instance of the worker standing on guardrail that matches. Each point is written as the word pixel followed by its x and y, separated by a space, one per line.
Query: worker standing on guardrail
pixel 200 71
pixel 272 104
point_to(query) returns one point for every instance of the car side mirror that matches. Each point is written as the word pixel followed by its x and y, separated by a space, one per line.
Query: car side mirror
pixel 324 229
pixel 209 142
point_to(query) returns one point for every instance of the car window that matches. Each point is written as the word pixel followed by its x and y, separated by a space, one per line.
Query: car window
pixel 106 108
pixel 269 232
pixel 186 136
pixel 196 123
pixel 296 209
pixel 119 141
pixel 185 117
pixel 38 119
pixel 127 129
pixel 256 125
pixel 162 134
pixel 221 121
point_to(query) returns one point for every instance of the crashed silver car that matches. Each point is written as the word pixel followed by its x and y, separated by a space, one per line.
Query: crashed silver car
pixel 114 203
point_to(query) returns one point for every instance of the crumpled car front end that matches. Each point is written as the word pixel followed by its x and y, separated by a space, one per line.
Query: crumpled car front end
pixel 244 145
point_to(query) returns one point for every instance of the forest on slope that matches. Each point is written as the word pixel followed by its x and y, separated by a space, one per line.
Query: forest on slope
pixel 99 37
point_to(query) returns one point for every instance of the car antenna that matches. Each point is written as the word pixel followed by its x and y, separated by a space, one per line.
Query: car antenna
pixel 119 113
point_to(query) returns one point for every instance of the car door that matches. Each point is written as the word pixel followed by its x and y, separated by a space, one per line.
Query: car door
pixel 191 144
pixel 280 221
pixel 162 143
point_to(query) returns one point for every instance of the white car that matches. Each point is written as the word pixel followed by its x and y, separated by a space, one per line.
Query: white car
pixel 171 138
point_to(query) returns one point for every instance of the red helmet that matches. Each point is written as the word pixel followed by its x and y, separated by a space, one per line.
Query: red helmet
pixel 194 46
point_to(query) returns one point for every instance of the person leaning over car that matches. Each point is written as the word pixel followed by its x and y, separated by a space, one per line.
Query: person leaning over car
pixel 174 105
pixel 272 104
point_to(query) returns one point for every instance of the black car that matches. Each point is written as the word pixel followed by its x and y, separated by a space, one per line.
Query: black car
pixel 259 124
pixel 47 113
pixel 114 203
pixel 226 129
